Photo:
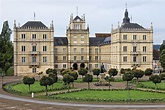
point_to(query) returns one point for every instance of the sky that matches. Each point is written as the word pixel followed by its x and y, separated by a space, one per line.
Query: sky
pixel 99 14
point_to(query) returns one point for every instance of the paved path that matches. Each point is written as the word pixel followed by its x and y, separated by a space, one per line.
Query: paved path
pixel 13 102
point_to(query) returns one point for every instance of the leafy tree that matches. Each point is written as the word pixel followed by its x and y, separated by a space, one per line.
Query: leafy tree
pixel 162 76
pixel 45 81
pixel 128 76
pixel 39 74
pixel 155 79
pixel 138 74
pixel 122 71
pixel 162 47
pixel 96 72
pixel 148 72
pixel 6 48
pixel 75 76
pixel 82 71
pixel 54 78
pixel 62 70
pixel 50 70
pixel 66 71
pixel 28 81
pixel 109 79
pixel 68 79
pixel 88 78
pixel 162 59
pixel 112 72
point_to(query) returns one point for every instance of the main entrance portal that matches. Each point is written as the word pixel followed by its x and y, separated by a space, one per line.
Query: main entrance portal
pixel 75 66
pixel 82 65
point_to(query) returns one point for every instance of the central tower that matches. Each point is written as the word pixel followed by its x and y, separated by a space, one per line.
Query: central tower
pixel 78 42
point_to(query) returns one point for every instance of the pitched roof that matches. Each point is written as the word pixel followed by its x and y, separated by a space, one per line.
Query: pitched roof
pixel 77 17
pixel 34 24
pixel 131 26
pixel 102 34
pixel 95 41
pixel 60 41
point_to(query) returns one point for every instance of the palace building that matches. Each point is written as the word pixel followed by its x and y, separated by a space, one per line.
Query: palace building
pixel 36 49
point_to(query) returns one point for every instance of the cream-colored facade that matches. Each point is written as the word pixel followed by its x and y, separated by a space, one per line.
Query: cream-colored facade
pixel 129 45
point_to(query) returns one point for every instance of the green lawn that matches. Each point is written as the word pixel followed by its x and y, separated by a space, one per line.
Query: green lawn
pixel 150 84
pixel 35 87
pixel 134 94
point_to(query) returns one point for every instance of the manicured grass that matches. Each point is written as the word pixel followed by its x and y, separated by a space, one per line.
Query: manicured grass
pixel 91 94
pixel 150 84
pixel 35 87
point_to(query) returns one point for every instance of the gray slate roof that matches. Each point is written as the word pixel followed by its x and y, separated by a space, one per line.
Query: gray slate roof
pixel 34 24
pixel 77 17
pixel 131 26
pixel 95 41
pixel 60 41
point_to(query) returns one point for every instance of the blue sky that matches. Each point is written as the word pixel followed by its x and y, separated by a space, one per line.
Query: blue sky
pixel 99 14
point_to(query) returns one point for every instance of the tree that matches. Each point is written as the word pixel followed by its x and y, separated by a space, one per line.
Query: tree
pixel 28 81
pixel 96 72
pixel 45 81
pixel 162 47
pixel 138 74
pixel 162 76
pixel 54 78
pixel 66 71
pixel 82 71
pixel 162 59
pixel 109 79
pixel 148 72
pixel 6 48
pixel 68 79
pixel 112 72
pixel 128 76
pixel 88 78
pixel 74 75
pixel 155 79
pixel 39 74
pixel 50 70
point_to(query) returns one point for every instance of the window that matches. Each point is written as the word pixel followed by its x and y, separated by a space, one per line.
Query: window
pixel 23 36
pixel 96 66
pixel 90 50
pixel 64 58
pixel 144 37
pixel 34 70
pixel 90 57
pixel 34 59
pixel 125 59
pixel 96 50
pixel 144 58
pixel 23 59
pixel 33 36
pixel 64 50
pixel 55 50
pixel 82 39
pixel 23 48
pixel 134 48
pixel 56 58
pixel 33 48
pixel 44 36
pixel 74 49
pixel 125 48
pixel 56 66
pixel 44 48
pixel 74 57
pixel 75 39
pixel 96 57
pixel 77 26
pixel 44 59
pixel 134 37
pixel 64 65
pixel 134 58
pixel 144 48
pixel 124 37
pixel 82 50
pixel 82 57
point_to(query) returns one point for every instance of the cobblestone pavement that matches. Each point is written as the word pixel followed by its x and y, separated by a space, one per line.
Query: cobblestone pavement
pixel 6 104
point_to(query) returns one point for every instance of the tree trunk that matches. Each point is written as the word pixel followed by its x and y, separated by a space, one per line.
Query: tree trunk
pixel 109 86
pixel 68 87
pixel 46 90
pixel 88 86
pixel 127 85
pixel 155 87
pixel 29 88
pixel 137 81
pixel 97 79
pixel 73 84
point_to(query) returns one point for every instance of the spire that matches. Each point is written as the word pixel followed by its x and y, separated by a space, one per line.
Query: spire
pixel 126 18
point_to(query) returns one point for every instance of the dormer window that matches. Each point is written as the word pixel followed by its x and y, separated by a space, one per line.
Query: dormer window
pixel 77 26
